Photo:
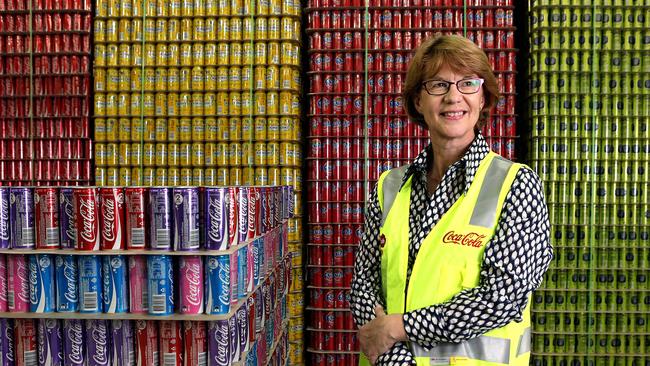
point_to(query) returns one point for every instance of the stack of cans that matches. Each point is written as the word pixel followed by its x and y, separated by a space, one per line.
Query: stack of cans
pixel 590 144
pixel 44 93
pixel 358 129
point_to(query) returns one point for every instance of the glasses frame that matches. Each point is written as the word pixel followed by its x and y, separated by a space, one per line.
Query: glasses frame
pixel 449 84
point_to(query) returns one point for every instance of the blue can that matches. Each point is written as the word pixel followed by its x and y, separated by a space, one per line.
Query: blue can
pixel 41 284
pixel 187 233
pixel 115 282
pixel 242 271
pixel 216 218
pixel 161 218
pixel 5 228
pixel 67 225
pixel 218 295
pixel 90 284
pixel 21 217
pixel 161 284
pixel 67 289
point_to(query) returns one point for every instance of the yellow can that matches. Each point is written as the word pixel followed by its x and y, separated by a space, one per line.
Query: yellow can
pixel 273 128
pixel 273 153
pixel 149 104
pixel 260 53
pixel 272 103
pixel 161 54
pixel 100 130
pixel 222 154
pixel 261 33
pixel 210 125
pixel 149 26
pixel 274 174
pixel 234 78
pixel 137 29
pixel 111 104
pixel 173 54
pixel 186 29
pixel 222 103
pixel 198 129
pixel 261 176
pixel 235 29
pixel 137 129
pixel 286 176
pixel 287 127
pixel 149 154
pixel 124 154
pixel 161 154
pixel 211 28
pixel 285 103
pixel 101 8
pixel 149 131
pixel 262 8
pixel 198 28
pixel 210 177
pixel 173 130
pixel 162 8
pixel 112 177
pixel 197 54
pixel 287 53
pixel 197 104
pixel 260 78
pixel 112 79
pixel 235 176
pixel 259 103
pixel 136 154
pixel 234 105
pixel 246 78
pixel 209 105
pixel 222 78
pixel 273 77
pixel 100 80
pixel 136 79
pixel 111 55
pixel 100 31
pixel 173 75
pixel 235 53
pixel 235 154
pixel 285 77
pixel 123 104
pixel 197 78
pixel 185 106
pixel 210 150
pixel 185 130
pixel 198 177
pixel 223 177
pixel 100 176
pixel 185 177
pixel 136 176
pixel 234 128
pixel 136 104
pixel 161 130
pixel 223 52
pixel 274 53
pixel 124 79
pixel 223 129
pixel 172 104
pixel 160 79
pixel 275 7
pixel 295 104
pixel 198 154
pixel 161 30
pixel 100 55
pixel 148 177
pixel 273 26
pixel 124 30
pixel 259 128
pixel 246 104
pixel 185 79
pixel 199 7
pixel 175 8
pixel 248 54
pixel 247 128
pixel 112 154
pixel 210 54
pixel 124 129
pixel 260 154
pixel 210 78
pixel 162 179
pixel 149 79
pixel 248 176
pixel 223 27
pixel 186 54
pixel 173 154
pixel 149 55
pixel 100 154
pixel 111 130
pixel 185 154
pixel 297 155
pixel 286 154
pixel 110 30
pixel 248 29
pixel 212 8
pixel 174 30
pixel 288 28
pixel 247 153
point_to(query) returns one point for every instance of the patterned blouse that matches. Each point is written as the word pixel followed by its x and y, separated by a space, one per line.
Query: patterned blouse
pixel 514 261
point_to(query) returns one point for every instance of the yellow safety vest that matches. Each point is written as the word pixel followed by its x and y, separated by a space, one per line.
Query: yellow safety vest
pixel 448 262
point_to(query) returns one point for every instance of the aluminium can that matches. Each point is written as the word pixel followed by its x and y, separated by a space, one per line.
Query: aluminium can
pixel 161 285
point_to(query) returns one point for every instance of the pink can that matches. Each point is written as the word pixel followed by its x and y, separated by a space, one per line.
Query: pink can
pixel 18 283
pixel 3 283
pixel 138 286
pixel 191 285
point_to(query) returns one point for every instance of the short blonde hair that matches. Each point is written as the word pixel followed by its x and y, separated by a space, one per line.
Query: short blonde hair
pixel 461 55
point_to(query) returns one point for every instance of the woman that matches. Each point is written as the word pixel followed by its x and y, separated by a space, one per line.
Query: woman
pixel 456 241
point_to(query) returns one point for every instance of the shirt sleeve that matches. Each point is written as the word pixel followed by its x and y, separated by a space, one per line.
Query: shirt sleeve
pixel 365 291
pixel 514 263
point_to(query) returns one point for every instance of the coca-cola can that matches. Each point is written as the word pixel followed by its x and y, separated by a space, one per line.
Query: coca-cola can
pixel 233 220
pixel 5 228
pixel 67 218
pixel 219 340
pixel 242 213
pixel 191 285
pixel 25 341
pixel 112 218
pixel 86 203
pixel 146 342
pixel 74 342
pixel 195 343
pixel 186 218
pixel 122 343
pixel 241 316
pixel 216 218
pixel 160 218
pixel 138 285
pixel 171 343
pixel 21 213
pixel 136 218
pixel 8 345
pixel 254 209
pixel 50 345
pixel 17 283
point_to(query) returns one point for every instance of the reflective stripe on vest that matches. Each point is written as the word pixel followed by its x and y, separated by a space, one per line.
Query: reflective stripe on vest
pixel 524 342
pixel 484 348
pixel 390 187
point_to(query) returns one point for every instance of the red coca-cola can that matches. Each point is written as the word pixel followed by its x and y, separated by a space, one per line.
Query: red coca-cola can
pixel 316 274
pixel 25 341
pixel 86 203
pixel 46 212
pixel 254 212
pixel 146 342
pixel 316 297
pixel 113 222
pixel 171 343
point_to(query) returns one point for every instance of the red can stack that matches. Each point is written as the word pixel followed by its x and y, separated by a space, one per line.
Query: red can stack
pixel 358 129
pixel 44 93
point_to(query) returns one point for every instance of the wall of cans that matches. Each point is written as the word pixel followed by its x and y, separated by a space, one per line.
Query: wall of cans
pixel 44 93
pixel 589 94
pixel 358 129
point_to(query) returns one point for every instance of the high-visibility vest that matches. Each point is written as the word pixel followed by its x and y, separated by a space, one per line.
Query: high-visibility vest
pixel 448 262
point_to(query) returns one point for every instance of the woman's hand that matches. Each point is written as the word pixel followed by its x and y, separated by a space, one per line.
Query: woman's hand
pixel 381 333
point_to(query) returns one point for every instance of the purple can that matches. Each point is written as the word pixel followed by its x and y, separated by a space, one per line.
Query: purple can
pixel 219 343
pixel 5 228
pixel 216 218
pixel 242 329
pixel 98 343
pixel 235 355
pixel 67 289
pixel 160 275
pixel 67 225
pixel 21 213
pixel 264 211
pixel 187 233
pixel 49 343
pixel 277 206
pixel 73 342
pixel 115 284
pixel 41 284
pixel 7 344
pixel 218 293
pixel 90 284
pixel 122 343
pixel 161 219
pixel 242 213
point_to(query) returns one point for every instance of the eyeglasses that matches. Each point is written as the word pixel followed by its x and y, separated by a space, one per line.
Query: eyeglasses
pixel 441 87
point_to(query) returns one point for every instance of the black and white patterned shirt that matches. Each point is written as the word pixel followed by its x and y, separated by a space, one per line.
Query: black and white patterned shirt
pixel 514 261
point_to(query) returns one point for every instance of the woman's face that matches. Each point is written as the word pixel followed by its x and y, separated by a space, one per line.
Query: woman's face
pixel 451 116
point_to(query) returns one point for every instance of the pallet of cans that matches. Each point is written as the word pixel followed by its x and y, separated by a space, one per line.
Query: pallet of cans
pixel 44 93
pixel 589 144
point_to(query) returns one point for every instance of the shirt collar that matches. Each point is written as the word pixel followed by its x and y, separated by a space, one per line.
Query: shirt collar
pixel 469 162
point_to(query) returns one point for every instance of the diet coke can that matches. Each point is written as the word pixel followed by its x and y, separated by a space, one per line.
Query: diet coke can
pixel 112 218
pixel 86 203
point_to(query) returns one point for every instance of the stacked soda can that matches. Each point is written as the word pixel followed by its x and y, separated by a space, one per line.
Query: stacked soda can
pixel 44 93
pixel 589 94
pixel 358 129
